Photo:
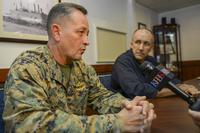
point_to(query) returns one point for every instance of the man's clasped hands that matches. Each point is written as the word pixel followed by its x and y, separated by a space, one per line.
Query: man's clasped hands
pixel 137 115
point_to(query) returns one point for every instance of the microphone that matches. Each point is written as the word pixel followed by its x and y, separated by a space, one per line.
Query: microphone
pixel 159 76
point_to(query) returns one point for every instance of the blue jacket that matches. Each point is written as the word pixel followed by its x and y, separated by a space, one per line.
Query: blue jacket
pixel 128 78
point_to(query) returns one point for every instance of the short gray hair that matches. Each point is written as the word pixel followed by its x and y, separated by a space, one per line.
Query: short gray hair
pixel 150 31
pixel 62 9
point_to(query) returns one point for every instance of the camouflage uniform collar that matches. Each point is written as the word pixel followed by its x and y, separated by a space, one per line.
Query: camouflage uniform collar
pixel 53 67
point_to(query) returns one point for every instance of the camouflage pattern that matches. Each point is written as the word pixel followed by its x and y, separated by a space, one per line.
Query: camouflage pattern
pixel 37 100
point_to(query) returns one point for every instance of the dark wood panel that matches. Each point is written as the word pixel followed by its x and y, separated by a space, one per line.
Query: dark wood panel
pixel 191 63
pixel 3 74
pixel 191 69
pixel 103 68
pixel 100 69
pixel 2 39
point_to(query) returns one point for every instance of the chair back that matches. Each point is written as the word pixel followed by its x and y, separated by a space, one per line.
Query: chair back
pixel 106 80
pixel 1 110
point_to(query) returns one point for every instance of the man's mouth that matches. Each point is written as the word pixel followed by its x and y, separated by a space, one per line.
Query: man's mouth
pixel 139 54
pixel 82 51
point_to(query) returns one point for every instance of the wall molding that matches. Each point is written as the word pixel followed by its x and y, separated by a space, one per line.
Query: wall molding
pixel 191 63
pixel 103 68
pixel 100 69
pixel 190 69
pixel 3 74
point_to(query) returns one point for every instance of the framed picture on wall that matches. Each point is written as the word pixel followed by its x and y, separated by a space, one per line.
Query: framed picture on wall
pixel 71 1
pixel 110 44
pixel 24 20
pixel 141 25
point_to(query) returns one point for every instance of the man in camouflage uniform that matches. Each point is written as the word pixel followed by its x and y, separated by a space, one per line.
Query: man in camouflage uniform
pixel 49 88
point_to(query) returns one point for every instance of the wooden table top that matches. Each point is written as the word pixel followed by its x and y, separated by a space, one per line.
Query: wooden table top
pixel 172 116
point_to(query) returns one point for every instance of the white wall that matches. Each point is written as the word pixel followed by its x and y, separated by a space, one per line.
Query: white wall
pixel 115 14
pixel 9 51
pixel 146 16
pixel 189 20
pixel 111 14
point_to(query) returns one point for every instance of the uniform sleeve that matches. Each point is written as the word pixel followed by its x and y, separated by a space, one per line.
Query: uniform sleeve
pixel 101 99
pixel 27 107
pixel 130 83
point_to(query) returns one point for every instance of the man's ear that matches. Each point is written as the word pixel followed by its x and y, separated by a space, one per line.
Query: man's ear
pixel 151 51
pixel 131 44
pixel 152 46
pixel 56 31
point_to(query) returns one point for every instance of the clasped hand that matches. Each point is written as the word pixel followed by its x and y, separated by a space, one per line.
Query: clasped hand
pixel 137 115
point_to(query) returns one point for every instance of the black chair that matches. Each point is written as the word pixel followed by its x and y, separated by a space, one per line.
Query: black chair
pixel 106 80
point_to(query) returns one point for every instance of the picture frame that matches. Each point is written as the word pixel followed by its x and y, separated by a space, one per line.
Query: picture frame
pixel 108 39
pixel 24 21
pixel 72 1
pixel 141 25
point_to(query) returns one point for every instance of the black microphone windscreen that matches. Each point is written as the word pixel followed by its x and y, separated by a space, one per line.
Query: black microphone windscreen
pixel 147 66
pixel 159 77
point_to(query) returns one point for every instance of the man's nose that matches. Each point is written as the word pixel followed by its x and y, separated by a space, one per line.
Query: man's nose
pixel 86 40
pixel 141 46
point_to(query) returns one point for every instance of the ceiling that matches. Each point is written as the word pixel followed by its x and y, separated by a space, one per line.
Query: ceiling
pixel 167 5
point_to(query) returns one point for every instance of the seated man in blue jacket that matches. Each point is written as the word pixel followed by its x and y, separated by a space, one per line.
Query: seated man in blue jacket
pixel 128 78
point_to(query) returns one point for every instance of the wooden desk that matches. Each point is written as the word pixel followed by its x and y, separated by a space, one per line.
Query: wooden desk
pixel 172 116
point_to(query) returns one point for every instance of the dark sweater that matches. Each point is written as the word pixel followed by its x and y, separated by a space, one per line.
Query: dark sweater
pixel 128 78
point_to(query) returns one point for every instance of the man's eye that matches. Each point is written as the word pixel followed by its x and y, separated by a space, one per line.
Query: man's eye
pixel 146 44
pixel 137 42
pixel 81 31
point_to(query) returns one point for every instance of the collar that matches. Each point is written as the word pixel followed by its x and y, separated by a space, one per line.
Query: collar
pixel 53 67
